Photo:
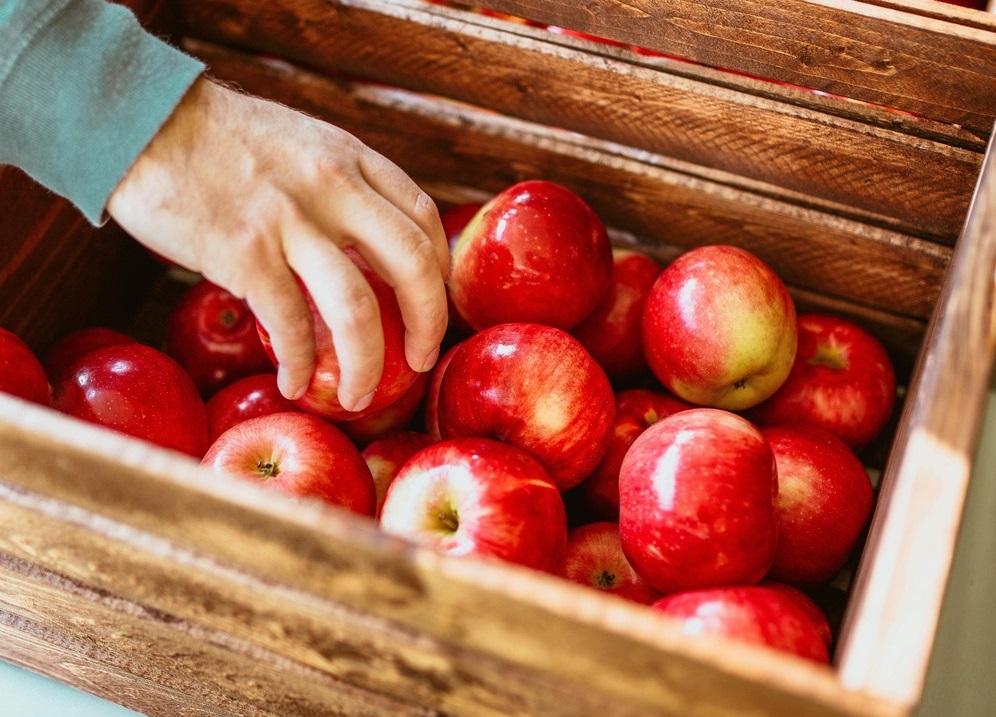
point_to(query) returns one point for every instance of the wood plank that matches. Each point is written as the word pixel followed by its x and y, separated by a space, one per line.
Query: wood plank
pixel 148 527
pixel 532 74
pixel 908 554
pixel 939 64
pixel 662 202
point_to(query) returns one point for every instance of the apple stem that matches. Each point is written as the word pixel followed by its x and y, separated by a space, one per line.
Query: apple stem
pixel 267 469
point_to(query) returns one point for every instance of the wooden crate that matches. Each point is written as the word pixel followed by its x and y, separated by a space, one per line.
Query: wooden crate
pixel 126 573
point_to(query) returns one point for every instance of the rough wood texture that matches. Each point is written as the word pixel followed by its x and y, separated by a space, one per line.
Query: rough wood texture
pixel 690 114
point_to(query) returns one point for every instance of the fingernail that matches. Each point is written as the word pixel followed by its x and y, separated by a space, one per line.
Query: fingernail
pixel 430 360
pixel 290 390
pixel 359 404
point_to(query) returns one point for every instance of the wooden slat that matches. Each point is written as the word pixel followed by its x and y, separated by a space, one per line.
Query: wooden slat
pixel 147 532
pixel 653 198
pixel 939 63
pixel 902 578
pixel 813 154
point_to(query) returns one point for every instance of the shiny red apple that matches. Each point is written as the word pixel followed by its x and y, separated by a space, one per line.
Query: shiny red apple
pixel 396 416
pixel 245 398
pixel 824 503
pixel 431 405
pixel 299 455
pixel 385 456
pixel 535 252
pixel 64 351
pixel 697 496
pixel 212 334
pixel 594 558
pixel 612 331
pixel 321 396
pixel 842 380
pixel 536 387
pixel 775 616
pixel 719 328
pixel 21 371
pixel 478 497
pixel 454 219
pixel 137 390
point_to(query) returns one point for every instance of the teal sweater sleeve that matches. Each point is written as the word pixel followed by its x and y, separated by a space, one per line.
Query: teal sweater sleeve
pixel 83 89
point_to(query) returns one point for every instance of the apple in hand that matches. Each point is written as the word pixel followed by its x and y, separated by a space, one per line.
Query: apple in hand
pixel 824 502
pixel 842 380
pixel 299 455
pixel 137 390
pixel 771 615
pixel 321 396
pixel 594 557
pixel 719 328
pixel 612 331
pixel 478 497
pixel 385 456
pixel 245 398
pixel 64 351
pixel 212 334
pixel 396 416
pixel 536 387
pixel 535 253
pixel 21 371
pixel 636 410
pixel 697 501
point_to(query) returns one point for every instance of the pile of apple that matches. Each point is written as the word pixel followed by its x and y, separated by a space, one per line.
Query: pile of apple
pixel 677 436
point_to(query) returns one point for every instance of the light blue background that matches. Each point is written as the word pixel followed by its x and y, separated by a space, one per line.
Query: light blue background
pixel 959 684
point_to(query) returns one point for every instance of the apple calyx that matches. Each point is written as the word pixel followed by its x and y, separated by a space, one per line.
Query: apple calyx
pixel 447 519
pixel 831 357
pixel 605 580
pixel 267 469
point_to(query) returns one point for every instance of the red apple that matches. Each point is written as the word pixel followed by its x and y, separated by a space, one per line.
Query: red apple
pixel 386 455
pixel 534 253
pixel 138 390
pixel 594 557
pixel 212 334
pixel 245 398
pixel 21 371
pixel 636 410
pixel 612 331
pixel 778 617
pixel 478 497
pixel 454 219
pixel 396 416
pixel 824 503
pixel 321 396
pixel 533 386
pixel 64 351
pixel 697 501
pixel 842 380
pixel 431 406
pixel 299 455
pixel 719 328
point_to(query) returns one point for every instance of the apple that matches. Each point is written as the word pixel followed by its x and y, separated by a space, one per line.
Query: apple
pixel 454 219
pixel 594 557
pixel 212 334
pixel 64 351
pixel 321 396
pixel 719 328
pixel 697 501
pixel 394 417
pixel 636 410
pixel 242 399
pixel 534 253
pixel 478 497
pixel 775 616
pixel 536 387
pixel 299 455
pixel 842 380
pixel 612 331
pixel 21 371
pixel 137 390
pixel 385 456
pixel 824 503
pixel 431 405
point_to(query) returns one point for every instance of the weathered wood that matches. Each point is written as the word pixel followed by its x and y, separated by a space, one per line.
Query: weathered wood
pixel 531 74
pixel 938 62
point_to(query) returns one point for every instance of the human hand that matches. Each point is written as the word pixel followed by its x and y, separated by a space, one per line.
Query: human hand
pixel 250 193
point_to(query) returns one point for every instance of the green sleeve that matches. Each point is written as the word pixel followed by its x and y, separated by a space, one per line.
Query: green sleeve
pixel 83 89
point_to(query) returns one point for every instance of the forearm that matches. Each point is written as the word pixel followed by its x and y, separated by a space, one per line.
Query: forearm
pixel 83 89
